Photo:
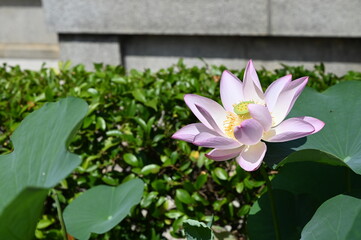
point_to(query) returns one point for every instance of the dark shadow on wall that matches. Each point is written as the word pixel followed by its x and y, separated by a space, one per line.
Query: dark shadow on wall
pixel 260 48
pixel 20 3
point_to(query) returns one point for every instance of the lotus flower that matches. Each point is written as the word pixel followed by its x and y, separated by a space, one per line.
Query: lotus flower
pixel 248 116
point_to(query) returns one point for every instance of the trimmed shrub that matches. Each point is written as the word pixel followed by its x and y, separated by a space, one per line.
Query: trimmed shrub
pixel 126 134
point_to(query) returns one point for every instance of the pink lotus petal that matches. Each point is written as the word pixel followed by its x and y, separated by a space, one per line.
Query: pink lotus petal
pixel 249 132
pixel 223 154
pixel 261 114
pixel 274 90
pixel 316 123
pixel 252 90
pixel 188 133
pixel 206 139
pixel 290 129
pixel 287 98
pixel 231 90
pixel 210 120
pixel 252 156
pixel 215 110
pixel 267 110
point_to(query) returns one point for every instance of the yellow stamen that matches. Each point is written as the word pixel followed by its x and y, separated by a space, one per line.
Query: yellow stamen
pixel 232 120
pixel 240 114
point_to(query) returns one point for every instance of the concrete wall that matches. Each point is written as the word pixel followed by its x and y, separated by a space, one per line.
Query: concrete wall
pixel 186 17
pixel 23 31
pixel 333 18
pixel 156 33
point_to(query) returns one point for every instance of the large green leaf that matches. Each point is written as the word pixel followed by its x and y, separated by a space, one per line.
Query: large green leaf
pixel 101 208
pixel 339 108
pixel 39 161
pixel 18 220
pixel 338 218
pixel 260 223
pixel 307 179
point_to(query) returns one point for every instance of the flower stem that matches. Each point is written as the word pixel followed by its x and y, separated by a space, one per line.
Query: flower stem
pixel 60 214
pixel 272 202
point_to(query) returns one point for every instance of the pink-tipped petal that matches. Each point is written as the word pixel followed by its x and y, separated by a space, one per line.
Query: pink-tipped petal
pixel 287 99
pixel 224 154
pixel 316 123
pixel 249 132
pixel 252 156
pixel 290 129
pixel 231 90
pixel 206 139
pixel 214 125
pixel 274 90
pixel 215 110
pixel 250 71
pixel 252 90
pixel 188 133
pixel 261 114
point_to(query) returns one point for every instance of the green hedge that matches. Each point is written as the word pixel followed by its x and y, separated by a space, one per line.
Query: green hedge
pixel 127 134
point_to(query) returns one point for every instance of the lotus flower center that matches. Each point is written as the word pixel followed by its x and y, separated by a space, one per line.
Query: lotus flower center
pixel 242 107
pixel 240 114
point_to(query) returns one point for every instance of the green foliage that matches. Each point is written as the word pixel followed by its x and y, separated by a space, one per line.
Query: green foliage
pixel 39 161
pixel 195 230
pixel 338 107
pixel 308 179
pixel 20 216
pixel 126 135
pixel 338 218
pixel 101 208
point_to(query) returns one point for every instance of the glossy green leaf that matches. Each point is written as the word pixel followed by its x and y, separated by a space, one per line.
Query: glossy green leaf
pixel 101 123
pixel 251 183
pixel 152 103
pixel 174 214
pixel 201 180
pixel 221 173
pixel 148 199
pixel 338 218
pixel 211 220
pixel 199 198
pixel 45 222
pixel 150 169
pixel 217 205
pixel 131 160
pixel 184 196
pixel 338 107
pixel 101 208
pixel 196 230
pixel 39 161
pixel 158 137
pixel 110 181
pixel 119 80
pixel 160 185
pixel 115 133
pixel 244 210
pixel 139 95
pixel 240 187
